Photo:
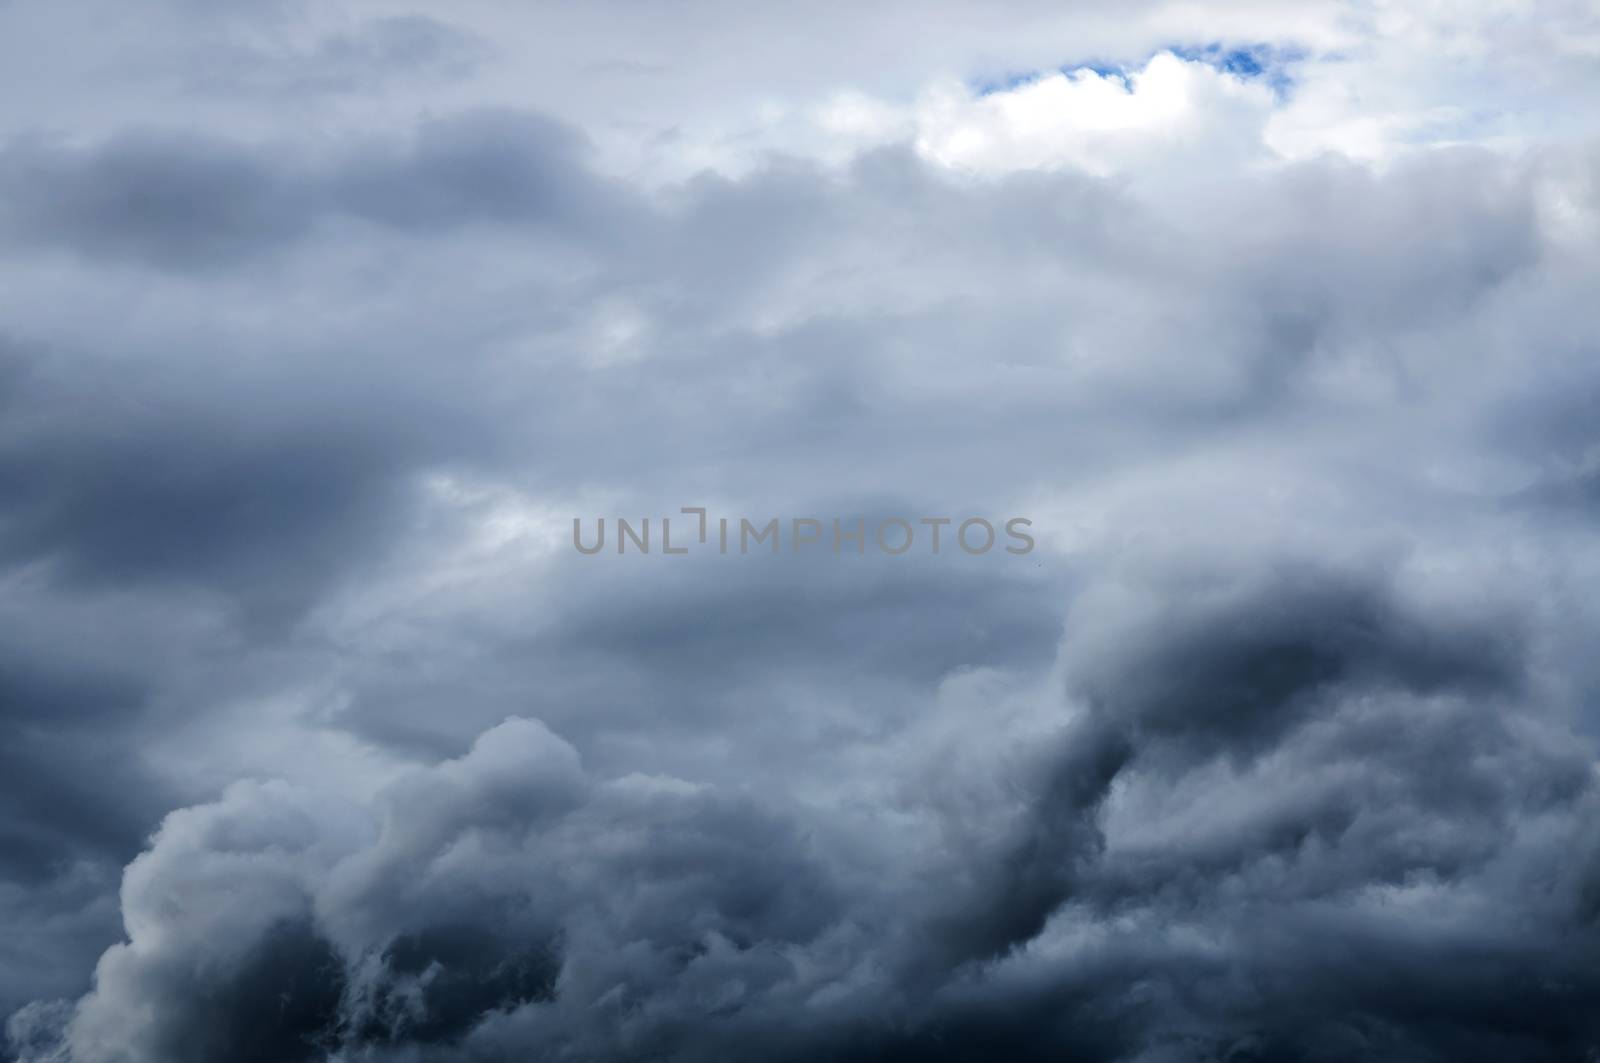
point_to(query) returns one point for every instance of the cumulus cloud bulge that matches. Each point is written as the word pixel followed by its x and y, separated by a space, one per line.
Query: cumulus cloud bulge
pixel 1275 323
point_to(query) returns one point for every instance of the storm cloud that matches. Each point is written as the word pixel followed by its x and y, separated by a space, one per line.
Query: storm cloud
pixel 319 324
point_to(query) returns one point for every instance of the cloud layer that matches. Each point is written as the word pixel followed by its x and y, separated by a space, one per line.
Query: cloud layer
pixel 320 324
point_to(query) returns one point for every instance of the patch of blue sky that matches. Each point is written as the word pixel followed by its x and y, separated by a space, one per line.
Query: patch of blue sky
pixel 1262 62
pixel 1005 82
pixel 1255 62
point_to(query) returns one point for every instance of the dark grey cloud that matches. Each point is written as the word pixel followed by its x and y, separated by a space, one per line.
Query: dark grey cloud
pixel 194 202
pixel 165 199
pixel 1239 666
pixel 172 477
pixel 509 898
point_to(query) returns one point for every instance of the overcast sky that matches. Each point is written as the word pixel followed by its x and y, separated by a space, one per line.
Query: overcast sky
pixel 321 322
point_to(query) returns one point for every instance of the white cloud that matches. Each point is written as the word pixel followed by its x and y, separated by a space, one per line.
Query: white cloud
pixel 1099 122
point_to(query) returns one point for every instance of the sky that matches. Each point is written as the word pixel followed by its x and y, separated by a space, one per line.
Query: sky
pixel 322 323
